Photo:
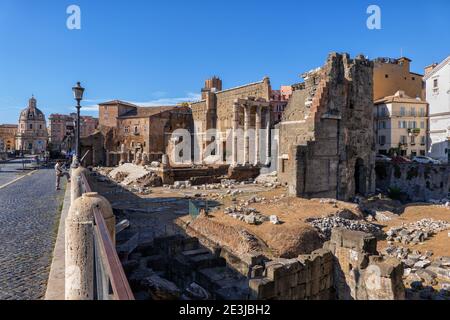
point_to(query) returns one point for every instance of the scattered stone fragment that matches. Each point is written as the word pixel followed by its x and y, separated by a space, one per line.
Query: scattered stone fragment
pixel 326 225
pixel 274 219
pixel 161 289
pixel 249 215
pixel 417 232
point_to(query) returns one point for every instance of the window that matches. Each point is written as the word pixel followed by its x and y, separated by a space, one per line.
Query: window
pixel 422 112
pixel 422 153
pixel 31 126
pixel 403 139
pixel 127 129
pixel 386 76
pixel 402 111
pixel 412 124
pixel 422 124
pixel 382 125
pixel 382 140
pixel 413 112
pixel 413 140
pixel 402 124
pixel 435 83
pixel 136 130
pixel 423 140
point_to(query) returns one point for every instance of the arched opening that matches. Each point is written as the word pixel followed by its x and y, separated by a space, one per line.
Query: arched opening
pixel 360 177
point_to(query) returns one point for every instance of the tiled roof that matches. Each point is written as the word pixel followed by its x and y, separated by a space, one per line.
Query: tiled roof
pixel 399 97
pixel 144 112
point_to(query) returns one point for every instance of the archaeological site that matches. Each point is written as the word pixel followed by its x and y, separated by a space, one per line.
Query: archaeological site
pixel 226 198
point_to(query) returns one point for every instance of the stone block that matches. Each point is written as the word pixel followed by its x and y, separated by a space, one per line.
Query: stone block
pixel 257 271
pixel 262 288
pixel 315 286
pixel 273 270
pixel 282 285
pixel 315 267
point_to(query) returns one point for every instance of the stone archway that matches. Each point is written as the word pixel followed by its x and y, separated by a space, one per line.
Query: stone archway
pixel 360 177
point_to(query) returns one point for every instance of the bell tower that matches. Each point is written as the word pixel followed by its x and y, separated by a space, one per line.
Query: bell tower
pixel 211 85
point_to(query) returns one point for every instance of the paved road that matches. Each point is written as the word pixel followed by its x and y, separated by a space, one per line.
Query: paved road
pixel 29 216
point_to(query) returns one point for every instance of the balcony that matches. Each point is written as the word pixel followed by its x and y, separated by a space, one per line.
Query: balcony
pixel 415 131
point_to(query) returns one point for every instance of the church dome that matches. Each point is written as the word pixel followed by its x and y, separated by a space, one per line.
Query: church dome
pixel 31 112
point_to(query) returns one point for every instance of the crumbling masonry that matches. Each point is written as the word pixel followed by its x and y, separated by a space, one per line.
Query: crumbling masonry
pixel 348 267
pixel 326 137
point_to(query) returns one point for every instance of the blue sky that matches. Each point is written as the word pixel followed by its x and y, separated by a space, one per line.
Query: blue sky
pixel 162 51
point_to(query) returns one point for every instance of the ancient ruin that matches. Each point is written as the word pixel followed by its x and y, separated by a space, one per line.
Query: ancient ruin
pixel 326 135
pixel 270 210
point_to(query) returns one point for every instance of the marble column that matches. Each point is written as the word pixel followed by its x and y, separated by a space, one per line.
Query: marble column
pixel 268 153
pixel 123 154
pixel 257 135
pixel 246 135
pixel 235 133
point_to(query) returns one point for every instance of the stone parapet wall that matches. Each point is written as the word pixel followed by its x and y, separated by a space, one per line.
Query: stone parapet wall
pixel 348 267
pixel 359 272
pixel 417 182
pixel 309 277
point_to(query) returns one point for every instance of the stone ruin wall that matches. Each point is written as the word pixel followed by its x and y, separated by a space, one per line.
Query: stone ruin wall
pixel 326 128
pixel 415 182
pixel 346 268
pixel 225 102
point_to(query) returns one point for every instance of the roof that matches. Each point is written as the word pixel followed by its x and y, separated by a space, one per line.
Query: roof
pixel 114 102
pixel 400 97
pixel 145 112
pixel 31 114
pixel 438 67
pixel 9 126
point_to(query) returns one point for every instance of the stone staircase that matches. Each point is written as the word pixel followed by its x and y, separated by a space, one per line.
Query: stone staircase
pixel 183 261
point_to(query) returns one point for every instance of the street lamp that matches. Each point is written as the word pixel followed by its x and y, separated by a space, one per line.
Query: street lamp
pixel 78 91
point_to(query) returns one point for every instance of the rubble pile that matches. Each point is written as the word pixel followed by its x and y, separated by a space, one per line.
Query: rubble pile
pixel 422 273
pixel 417 232
pixel 128 174
pixel 246 214
pixel 120 176
pixel 268 179
pixel 181 185
pixel 327 224
pixel 150 180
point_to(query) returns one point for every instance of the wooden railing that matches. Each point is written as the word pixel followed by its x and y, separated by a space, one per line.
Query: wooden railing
pixel 111 282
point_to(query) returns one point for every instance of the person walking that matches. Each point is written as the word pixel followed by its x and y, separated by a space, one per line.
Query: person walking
pixel 59 170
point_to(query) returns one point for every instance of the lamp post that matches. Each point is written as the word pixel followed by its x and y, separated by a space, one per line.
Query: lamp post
pixel 78 91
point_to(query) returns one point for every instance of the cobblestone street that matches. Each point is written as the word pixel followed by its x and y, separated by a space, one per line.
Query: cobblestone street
pixel 29 216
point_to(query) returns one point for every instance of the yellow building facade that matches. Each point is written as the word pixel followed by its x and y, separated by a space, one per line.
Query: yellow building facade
pixel 401 125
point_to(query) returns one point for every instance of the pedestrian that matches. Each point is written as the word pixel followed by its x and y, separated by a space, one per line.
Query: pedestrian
pixel 59 170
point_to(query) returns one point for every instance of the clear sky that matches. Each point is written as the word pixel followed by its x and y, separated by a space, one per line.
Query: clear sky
pixel 161 52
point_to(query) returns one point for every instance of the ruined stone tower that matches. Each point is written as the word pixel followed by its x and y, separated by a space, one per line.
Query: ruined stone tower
pixel 327 144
